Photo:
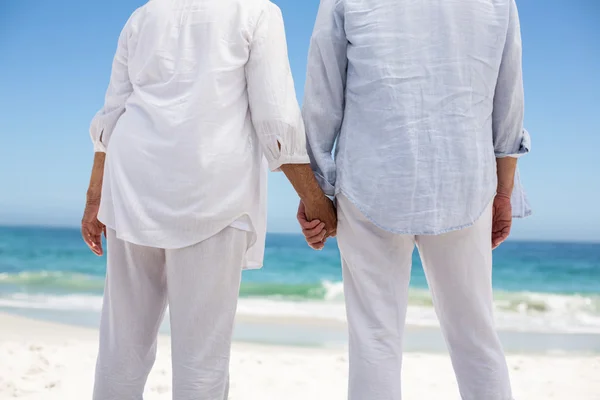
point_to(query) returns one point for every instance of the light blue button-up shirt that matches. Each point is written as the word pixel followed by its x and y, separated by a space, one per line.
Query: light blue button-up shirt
pixel 421 98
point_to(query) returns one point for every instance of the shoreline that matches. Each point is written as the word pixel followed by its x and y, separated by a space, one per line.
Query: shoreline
pixel 323 333
pixel 310 332
pixel 45 360
pixel 39 293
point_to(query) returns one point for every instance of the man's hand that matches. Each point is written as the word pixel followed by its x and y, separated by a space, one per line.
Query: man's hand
pixel 91 228
pixel 318 221
pixel 501 219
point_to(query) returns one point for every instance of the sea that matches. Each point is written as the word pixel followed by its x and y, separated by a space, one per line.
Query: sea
pixel 543 287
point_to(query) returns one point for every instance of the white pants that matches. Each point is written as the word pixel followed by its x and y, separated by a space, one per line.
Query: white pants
pixel 201 284
pixel 458 266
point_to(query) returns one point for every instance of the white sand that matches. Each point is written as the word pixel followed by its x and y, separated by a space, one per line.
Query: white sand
pixel 46 361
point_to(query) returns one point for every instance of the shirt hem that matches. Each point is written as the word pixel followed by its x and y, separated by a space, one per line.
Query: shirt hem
pixel 410 232
pixel 246 265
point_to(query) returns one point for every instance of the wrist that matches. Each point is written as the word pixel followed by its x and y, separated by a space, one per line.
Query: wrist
pixel 314 199
pixel 94 191
pixel 504 196
pixel 504 191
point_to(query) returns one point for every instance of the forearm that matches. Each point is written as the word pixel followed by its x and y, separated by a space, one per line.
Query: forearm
pixel 304 182
pixel 97 177
pixel 506 168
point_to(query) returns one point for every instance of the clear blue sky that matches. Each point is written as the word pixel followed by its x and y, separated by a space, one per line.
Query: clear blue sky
pixel 55 59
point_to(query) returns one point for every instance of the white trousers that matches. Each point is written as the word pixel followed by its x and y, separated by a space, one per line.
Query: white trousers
pixel 201 285
pixel 458 267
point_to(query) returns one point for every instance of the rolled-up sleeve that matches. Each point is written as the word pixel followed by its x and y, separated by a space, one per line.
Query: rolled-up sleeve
pixel 519 201
pixel 324 95
pixel 510 139
pixel 273 104
pixel 119 90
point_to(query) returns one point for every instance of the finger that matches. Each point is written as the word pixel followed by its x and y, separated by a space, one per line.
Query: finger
pixel 315 231
pixel 93 241
pixel 316 239
pixel 85 234
pixel 495 242
pixel 317 246
pixel 94 247
pixel 301 214
pixel 301 210
pixel 498 238
pixel 97 240
pixel 88 239
pixel 305 224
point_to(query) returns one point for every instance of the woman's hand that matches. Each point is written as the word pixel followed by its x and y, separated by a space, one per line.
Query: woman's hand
pixel 318 222
pixel 91 228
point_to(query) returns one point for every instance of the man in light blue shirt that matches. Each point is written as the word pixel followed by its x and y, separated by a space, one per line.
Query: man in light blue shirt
pixel 423 101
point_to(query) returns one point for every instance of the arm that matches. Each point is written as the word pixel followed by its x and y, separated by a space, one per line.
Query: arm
pixel 276 116
pixel 319 215
pixel 506 168
pixel 502 214
pixel 272 98
pixel 96 178
pixel 324 98
pixel 119 90
pixel 510 139
pixel 91 227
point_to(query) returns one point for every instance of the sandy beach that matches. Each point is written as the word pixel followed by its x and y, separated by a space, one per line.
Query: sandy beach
pixel 42 361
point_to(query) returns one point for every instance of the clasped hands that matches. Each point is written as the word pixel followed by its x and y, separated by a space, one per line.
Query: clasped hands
pixel 318 220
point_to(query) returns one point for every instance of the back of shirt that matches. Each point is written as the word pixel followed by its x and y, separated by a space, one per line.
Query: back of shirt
pixel 424 95
pixel 200 95
pixel 187 58
pixel 435 63
pixel 185 127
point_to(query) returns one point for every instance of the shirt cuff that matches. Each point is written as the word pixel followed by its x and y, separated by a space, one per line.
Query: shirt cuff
pixel 99 147
pixel 519 201
pixel 99 133
pixel 275 165
pixel 326 186
pixel 524 147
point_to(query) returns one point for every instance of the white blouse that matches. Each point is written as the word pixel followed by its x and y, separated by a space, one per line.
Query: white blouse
pixel 200 95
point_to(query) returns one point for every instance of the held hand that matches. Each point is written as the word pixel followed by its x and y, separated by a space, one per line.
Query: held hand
pixel 318 221
pixel 91 228
pixel 314 231
pixel 501 220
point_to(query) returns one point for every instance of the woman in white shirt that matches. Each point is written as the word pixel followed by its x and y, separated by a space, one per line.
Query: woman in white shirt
pixel 201 102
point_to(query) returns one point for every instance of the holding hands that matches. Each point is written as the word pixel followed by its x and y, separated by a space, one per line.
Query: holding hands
pixel 318 221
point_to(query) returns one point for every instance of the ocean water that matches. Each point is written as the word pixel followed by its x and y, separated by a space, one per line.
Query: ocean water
pixel 539 287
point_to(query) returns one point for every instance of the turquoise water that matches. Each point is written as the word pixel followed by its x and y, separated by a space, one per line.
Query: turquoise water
pixel 538 286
